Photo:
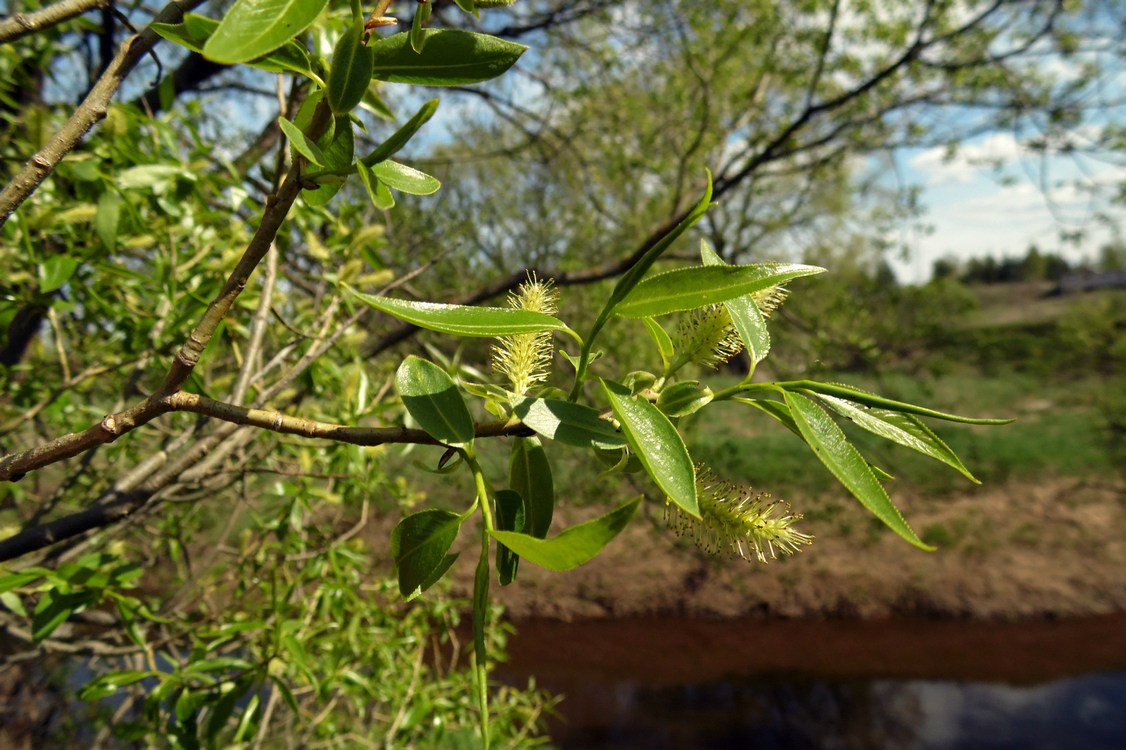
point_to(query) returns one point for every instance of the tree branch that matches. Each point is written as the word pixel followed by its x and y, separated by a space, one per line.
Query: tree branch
pixel 22 24
pixel 93 108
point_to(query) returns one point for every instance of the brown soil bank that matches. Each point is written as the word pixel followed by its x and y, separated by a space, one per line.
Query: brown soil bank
pixel 1022 550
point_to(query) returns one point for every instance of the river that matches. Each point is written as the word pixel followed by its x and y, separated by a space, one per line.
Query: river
pixel 668 682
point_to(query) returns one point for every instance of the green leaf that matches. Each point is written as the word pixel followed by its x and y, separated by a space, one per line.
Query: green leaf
pixel 529 474
pixel 689 288
pixel 449 58
pixel 253 28
pixel 15 580
pixel 107 685
pixel 108 218
pixel 569 423
pixel 371 185
pixel 384 198
pixel 469 6
pixel 56 271
pixel 420 544
pixel 510 517
pixel 661 338
pixel 304 146
pixel 776 409
pixel 53 610
pixel 657 443
pixel 904 429
pixel 871 399
pixel 402 136
pixel 13 603
pixel 745 315
pixel 418 36
pixel 831 446
pixel 194 32
pixel 684 398
pixel 350 74
pixel 432 398
pixel 155 176
pixel 405 179
pixel 575 546
pixel 338 155
pixel 462 320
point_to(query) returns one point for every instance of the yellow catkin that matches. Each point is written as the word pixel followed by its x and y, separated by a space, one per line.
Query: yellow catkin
pixel 525 358
pixel 738 521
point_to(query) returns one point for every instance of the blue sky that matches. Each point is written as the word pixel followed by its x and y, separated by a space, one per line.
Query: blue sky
pixel 977 209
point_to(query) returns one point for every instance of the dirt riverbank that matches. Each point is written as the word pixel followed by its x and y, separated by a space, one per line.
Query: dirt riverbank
pixel 1021 550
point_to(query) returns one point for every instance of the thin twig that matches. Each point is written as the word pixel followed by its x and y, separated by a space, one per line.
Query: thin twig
pixel 22 24
pixel 93 108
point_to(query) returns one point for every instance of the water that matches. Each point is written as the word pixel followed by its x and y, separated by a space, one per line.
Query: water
pixel 676 683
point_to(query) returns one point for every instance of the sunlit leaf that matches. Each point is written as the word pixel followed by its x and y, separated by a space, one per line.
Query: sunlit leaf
pixel 871 399
pixel 462 320
pixel 904 429
pixel 745 315
pixel 433 399
pixel 690 288
pixel 405 179
pixel 449 58
pixel 573 547
pixel 831 446
pixel 301 143
pixel 569 423
pixel 56 271
pixel 657 443
pixel 252 28
pixel 350 74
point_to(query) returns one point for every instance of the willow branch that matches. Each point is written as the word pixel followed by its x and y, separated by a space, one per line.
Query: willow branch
pixel 22 24
pixel 93 109
pixel 275 421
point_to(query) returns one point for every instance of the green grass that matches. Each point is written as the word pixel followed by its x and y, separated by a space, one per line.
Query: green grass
pixel 1058 432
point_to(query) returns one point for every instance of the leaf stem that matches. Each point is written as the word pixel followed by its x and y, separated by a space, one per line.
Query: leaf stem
pixel 481 594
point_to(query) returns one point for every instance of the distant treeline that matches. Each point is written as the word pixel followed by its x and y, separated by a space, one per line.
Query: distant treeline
pixel 1034 266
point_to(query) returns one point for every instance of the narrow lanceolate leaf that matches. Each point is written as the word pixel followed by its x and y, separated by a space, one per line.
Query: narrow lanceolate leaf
pixel 405 179
pixel 575 546
pixel 371 185
pixel 402 136
pixel 432 398
pixel 420 545
pixel 661 338
pixel 745 315
pixel 831 446
pixel 448 58
pixel 510 517
pixel 569 423
pixel 418 26
pixel 301 143
pixel 338 148
pixel 904 429
pixel 194 32
pixel 657 444
pixel 689 288
pixel 462 320
pixel 871 399
pixel 529 474
pixel 350 74
pixel 253 28
pixel 776 409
